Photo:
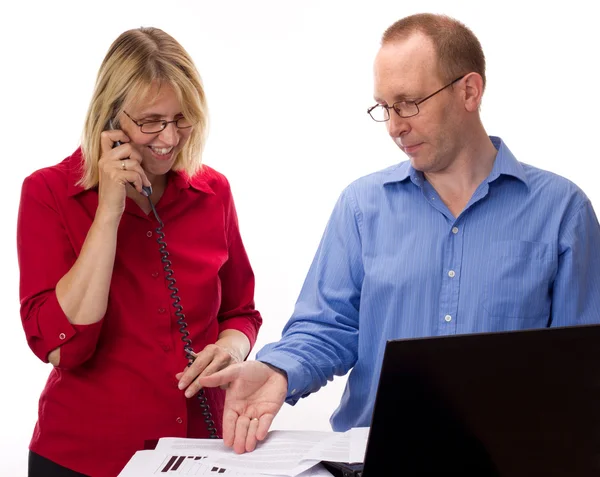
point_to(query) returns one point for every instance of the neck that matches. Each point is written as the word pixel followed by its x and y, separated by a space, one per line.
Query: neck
pixel 471 165
pixel 158 182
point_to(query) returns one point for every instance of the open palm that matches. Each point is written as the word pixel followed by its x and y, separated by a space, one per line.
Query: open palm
pixel 255 393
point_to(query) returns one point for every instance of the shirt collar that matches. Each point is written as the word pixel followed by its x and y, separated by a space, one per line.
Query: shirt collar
pixel 197 182
pixel 400 173
pixel 505 164
pixel 180 179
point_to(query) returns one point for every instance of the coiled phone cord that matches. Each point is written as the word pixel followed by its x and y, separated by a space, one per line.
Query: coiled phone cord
pixel 188 349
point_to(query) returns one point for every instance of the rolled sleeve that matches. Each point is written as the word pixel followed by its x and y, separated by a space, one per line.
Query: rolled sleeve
pixel 246 325
pixel 47 327
pixel 45 256
pixel 298 376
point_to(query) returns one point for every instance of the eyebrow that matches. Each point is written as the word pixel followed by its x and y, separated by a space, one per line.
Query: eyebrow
pixel 398 97
pixel 157 116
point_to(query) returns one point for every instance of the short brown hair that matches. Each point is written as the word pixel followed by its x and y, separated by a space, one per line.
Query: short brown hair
pixel 458 49
pixel 136 60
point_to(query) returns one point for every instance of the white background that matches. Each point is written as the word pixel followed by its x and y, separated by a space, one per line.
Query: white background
pixel 288 84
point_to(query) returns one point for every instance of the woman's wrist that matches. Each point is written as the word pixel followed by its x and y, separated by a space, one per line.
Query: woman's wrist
pixel 235 343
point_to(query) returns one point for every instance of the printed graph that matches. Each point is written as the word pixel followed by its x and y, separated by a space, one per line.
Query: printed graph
pixel 190 465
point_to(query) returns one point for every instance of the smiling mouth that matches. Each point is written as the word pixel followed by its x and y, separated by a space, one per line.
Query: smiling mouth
pixel 161 151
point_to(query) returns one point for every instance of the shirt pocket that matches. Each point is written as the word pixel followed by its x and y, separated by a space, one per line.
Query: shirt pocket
pixel 517 279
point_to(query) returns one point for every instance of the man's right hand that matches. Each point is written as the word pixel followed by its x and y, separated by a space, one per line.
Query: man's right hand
pixel 255 393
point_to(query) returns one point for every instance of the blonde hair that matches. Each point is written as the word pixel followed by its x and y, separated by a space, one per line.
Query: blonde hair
pixel 136 60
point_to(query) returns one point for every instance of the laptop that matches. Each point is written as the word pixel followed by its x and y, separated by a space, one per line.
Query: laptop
pixel 509 404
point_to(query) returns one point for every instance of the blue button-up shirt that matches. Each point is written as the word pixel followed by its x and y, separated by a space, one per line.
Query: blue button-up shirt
pixel 395 263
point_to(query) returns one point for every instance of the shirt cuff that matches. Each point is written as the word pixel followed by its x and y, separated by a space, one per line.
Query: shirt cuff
pixel 243 324
pixel 77 342
pixel 298 376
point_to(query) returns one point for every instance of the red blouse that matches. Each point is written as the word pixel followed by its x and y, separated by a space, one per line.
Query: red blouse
pixel 115 386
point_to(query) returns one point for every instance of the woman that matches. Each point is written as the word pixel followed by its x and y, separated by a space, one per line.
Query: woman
pixel 98 294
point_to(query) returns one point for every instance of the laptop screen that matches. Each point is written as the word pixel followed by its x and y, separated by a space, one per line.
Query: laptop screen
pixel 521 403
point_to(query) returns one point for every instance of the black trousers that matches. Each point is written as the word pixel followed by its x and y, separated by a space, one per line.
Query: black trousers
pixel 41 467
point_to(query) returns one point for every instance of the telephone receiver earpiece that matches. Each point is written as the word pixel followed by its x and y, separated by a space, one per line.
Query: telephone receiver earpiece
pixel 146 189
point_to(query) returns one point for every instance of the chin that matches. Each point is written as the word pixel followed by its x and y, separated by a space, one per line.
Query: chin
pixel 159 170
pixel 420 164
pixel 157 166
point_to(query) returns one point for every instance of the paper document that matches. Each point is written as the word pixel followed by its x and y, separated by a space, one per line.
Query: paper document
pixel 150 463
pixel 282 453
pixel 358 443
pixel 349 446
pixel 335 448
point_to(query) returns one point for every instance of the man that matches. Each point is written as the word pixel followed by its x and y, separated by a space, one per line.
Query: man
pixel 462 238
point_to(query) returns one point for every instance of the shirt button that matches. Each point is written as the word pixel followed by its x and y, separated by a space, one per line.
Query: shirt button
pixel 454 230
pixel 62 336
pixel 179 420
pixel 166 348
pixel 154 274
pixel 451 274
pixel 161 310
pixel 448 318
pixel 294 391
pixel 149 233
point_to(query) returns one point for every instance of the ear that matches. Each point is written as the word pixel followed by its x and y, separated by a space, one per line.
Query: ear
pixel 473 91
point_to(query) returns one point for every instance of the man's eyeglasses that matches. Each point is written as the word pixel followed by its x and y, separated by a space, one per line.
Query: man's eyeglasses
pixel 404 109
pixel 153 127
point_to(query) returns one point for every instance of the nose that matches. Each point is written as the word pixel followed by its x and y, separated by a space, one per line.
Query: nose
pixel 170 134
pixel 396 125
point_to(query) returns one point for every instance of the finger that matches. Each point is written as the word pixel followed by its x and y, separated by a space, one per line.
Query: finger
pixel 130 177
pixel 251 437
pixel 124 152
pixel 219 362
pixel 229 420
pixel 192 389
pixel 241 434
pixel 264 424
pixel 109 137
pixel 216 364
pixel 132 166
pixel 178 376
pixel 221 378
pixel 195 369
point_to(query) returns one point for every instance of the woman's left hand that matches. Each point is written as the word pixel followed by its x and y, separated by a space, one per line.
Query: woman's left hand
pixel 211 359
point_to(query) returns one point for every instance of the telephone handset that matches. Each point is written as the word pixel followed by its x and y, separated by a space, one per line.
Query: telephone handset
pixel 146 189
pixel 187 347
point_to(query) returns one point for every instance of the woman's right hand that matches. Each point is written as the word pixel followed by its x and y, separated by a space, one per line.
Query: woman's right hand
pixel 118 167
